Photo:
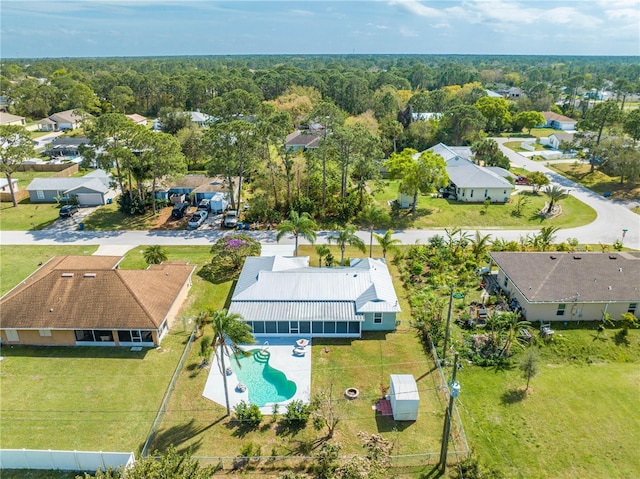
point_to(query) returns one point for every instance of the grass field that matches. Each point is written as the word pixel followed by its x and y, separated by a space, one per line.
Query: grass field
pixel 578 419
pixel 597 181
pixel 18 262
pixel 442 213
pixel 27 216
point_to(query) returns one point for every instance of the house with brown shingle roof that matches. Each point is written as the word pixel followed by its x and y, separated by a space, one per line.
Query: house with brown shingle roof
pixel 89 301
pixel 556 286
pixel 558 122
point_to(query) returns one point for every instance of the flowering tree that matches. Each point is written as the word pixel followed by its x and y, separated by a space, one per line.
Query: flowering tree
pixel 229 253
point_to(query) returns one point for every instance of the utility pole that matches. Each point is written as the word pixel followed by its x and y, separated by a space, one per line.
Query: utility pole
pixel 453 393
pixel 446 331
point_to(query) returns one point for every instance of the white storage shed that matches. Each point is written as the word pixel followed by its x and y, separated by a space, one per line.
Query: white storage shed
pixel 404 397
pixel 219 202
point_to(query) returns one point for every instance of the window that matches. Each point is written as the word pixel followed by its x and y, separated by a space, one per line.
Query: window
pixel 471 195
pixel 632 308
pixel 486 192
pixel 12 335
pixel 330 327
pixel 270 327
pixel 305 327
pixel 506 281
pixel 84 335
pixel 44 332
pixel 561 308
pixel 283 327
pixel 124 336
pixel 258 327
pixel 377 318
pixel 317 327
pixel 40 194
pixel 341 327
pixel 354 327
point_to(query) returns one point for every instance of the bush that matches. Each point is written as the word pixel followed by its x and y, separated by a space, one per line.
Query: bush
pixel 297 414
pixel 131 206
pixel 248 414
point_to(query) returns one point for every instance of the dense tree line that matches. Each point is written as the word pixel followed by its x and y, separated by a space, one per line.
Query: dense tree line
pixel 364 107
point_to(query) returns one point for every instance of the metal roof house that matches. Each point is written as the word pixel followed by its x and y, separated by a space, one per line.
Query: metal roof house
pixel 570 286
pixel 282 296
pixel 90 190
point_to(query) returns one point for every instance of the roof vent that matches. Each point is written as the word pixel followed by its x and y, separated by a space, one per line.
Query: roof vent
pixel 620 269
pixel 67 275
pixel 51 310
pixel 610 288
pixel 89 275
pixel 577 257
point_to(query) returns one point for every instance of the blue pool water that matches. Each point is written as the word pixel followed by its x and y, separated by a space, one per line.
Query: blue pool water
pixel 264 383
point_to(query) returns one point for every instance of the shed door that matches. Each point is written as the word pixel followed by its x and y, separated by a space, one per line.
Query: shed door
pixel 90 199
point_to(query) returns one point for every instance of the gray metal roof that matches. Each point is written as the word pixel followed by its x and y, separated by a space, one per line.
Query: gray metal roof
pixel 366 286
pixel 466 174
pixel 97 180
pixel 564 277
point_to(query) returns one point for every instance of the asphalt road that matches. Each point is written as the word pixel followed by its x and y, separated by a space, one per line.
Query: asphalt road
pixel 612 218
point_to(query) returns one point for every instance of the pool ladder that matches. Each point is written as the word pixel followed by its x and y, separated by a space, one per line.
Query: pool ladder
pixel 263 355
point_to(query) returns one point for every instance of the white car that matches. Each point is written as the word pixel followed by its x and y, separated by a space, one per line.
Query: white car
pixel 231 219
pixel 197 219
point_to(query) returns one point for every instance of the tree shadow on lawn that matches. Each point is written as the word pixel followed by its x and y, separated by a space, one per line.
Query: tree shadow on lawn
pixel 434 472
pixel 620 338
pixel 179 434
pixel 513 396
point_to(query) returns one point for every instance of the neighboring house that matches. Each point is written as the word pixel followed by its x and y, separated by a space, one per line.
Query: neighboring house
pixel 65 147
pixel 493 94
pixel 555 139
pixel 4 103
pixel 90 190
pixel 199 187
pixel 425 116
pixel 469 183
pixel 139 119
pixel 283 296
pixel 4 185
pixel 199 118
pixel 304 140
pixel 514 93
pixel 64 120
pixel 558 122
pixel 558 286
pixel 9 119
pixel 88 301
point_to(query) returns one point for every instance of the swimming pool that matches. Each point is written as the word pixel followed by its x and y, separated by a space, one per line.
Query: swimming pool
pixel 265 384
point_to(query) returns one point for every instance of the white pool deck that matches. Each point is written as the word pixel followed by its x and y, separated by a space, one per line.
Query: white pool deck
pixel 296 368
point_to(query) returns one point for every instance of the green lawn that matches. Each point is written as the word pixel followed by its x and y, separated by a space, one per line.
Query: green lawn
pixel 27 216
pixel 579 418
pixel 84 398
pixel 18 262
pixel 442 213
pixel 597 181
pixel 516 146
pixel 108 218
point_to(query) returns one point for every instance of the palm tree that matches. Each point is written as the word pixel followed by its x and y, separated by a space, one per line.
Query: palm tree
pixel 509 323
pixel 480 246
pixel 555 194
pixel 229 330
pixel 372 216
pixel 299 225
pixel 155 254
pixel 346 236
pixel 202 320
pixel 546 236
pixel 387 243
pixel 322 251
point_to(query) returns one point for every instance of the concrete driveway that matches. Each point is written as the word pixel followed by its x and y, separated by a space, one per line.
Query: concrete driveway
pixel 72 223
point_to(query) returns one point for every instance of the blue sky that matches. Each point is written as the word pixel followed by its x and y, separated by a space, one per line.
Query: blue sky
pixel 97 28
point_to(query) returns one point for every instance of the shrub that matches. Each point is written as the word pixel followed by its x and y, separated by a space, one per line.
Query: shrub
pixel 248 414
pixel 297 414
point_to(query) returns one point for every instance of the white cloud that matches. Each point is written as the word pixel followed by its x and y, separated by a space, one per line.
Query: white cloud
pixel 408 32
pixel 417 8
pixel 305 13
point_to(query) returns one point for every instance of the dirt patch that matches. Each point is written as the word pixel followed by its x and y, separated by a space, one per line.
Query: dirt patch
pixel 164 221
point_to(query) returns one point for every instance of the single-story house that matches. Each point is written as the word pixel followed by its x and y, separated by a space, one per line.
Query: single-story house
pixel 556 286
pixel 200 187
pixel 139 119
pixel 92 189
pixel 303 140
pixel 88 301
pixel 425 116
pixel 558 122
pixel 4 185
pixel 9 119
pixel 64 120
pixel 65 147
pixel 199 118
pixel 278 295
pixel 469 183
pixel 555 139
